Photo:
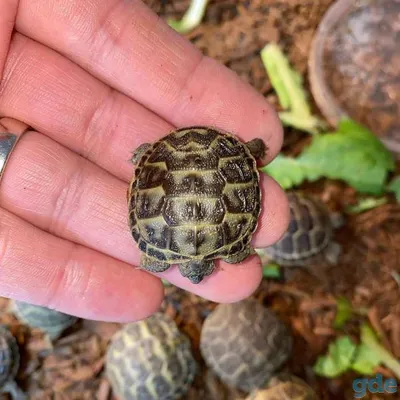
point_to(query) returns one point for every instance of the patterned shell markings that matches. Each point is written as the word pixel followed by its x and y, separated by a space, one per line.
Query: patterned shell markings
pixel 52 322
pixel 196 195
pixel 150 360
pixel 9 356
pixel 309 231
pixel 244 343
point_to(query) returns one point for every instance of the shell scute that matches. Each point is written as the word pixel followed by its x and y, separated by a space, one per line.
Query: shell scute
pixel 197 196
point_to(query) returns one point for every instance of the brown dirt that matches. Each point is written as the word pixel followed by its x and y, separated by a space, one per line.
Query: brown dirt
pixel 234 32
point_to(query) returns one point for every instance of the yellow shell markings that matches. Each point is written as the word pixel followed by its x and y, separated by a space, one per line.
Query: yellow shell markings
pixel 133 352
pixel 208 176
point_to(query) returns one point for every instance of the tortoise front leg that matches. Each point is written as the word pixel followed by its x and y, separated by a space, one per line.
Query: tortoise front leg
pixel 153 265
pixel 138 153
pixel 257 148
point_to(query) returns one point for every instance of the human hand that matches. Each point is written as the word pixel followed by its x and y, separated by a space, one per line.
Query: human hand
pixel 94 79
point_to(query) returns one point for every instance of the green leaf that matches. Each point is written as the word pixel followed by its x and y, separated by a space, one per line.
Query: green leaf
pixel 369 339
pixel 343 312
pixel 352 154
pixel 394 186
pixel 366 204
pixel 271 271
pixel 365 360
pixel 287 171
pixel 192 18
pixel 310 124
pixel 288 86
pixel 338 360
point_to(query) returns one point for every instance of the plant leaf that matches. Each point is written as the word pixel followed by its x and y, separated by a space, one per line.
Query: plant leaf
pixel 288 86
pixel 192 18
pixel 287 171
pixel 369 339
pixel 366 204
pixel 338 360
pixel 352 154
pixel 365 360
pixel 394 186
pixel 343 312
pixel 271 271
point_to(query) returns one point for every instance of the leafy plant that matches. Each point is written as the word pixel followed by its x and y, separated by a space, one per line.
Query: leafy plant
pixel 366 204
pixel 344 354
pixel 288 86
pixel 338 359
pixel 394 186
pixel 192 18
pixel 370 340
pixel 271 271
pixel 352 153
pixel 343 313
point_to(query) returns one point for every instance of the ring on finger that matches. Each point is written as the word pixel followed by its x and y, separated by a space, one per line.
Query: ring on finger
pixel 7 144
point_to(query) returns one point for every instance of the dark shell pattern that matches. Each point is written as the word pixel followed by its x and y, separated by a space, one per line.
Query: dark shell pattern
pixel 310 230
pixel 50 321
pixel 195 195
pixel 9 356
pixel 245 343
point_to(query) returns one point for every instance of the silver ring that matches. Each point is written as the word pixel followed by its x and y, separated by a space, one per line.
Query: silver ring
pixel 7 144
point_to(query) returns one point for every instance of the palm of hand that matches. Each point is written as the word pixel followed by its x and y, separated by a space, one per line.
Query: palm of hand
pixel 92 80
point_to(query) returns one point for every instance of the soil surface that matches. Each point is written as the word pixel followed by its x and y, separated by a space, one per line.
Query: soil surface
pixel 234 32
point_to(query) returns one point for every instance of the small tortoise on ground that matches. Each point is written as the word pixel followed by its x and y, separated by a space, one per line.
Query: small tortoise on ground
pixel 195 198
pixel 244 343
pixel 52 322
pixel 9 364
pixel 309 236
pixel 150 360
pixel 284 386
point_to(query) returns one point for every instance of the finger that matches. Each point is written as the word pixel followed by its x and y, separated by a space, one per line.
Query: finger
pixel 130 48
pixel 74 199
pixel 58 98
pixel 39 268
pixel 56 105
pixel 8 13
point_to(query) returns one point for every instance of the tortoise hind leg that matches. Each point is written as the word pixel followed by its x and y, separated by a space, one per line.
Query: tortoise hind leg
pixel 153 265
pixel 257 148
pixel 241 256
pixel 196 270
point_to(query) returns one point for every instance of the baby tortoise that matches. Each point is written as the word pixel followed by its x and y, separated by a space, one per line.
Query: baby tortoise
pixel 284 386
pixel 195 198
pixel 244 343
pixel 52 322
pixel 309 236
pixel 149 360
pixel 9 364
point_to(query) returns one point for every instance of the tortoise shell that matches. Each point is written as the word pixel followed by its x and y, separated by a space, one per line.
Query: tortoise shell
pixel 310 232
pixel 9 356
pixel 244 343
pixel 149 360
pixel 285 386
pixel 50 321
pixel 195 197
